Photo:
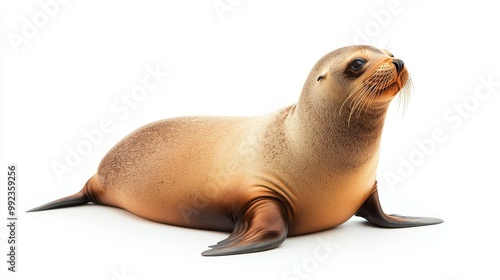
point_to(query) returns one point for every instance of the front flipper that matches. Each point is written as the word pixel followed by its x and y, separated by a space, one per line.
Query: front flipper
pixel 372 211
pixel 263 226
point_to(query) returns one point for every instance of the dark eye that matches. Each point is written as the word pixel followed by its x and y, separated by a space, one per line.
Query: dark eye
pixel 356 64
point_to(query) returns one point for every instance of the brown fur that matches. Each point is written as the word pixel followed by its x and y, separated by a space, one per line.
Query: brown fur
pixel 308 156
pixel 305 168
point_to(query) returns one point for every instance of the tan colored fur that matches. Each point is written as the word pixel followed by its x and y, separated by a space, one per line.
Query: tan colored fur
pixel 315 157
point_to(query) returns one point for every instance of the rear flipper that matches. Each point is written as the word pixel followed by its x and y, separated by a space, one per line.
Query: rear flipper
pixel 372 211
pixel 79 198
pixel 262 227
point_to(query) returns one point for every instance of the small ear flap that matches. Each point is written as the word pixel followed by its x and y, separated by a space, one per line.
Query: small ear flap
pixel 322 76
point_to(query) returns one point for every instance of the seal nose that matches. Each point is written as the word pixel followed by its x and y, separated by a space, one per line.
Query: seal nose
pixel 399 64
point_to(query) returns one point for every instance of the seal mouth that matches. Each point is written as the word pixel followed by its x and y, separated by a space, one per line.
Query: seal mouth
pixel 387 80
pixel 399 83
pixel 379 87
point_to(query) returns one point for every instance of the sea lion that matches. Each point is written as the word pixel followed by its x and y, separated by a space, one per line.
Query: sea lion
pixel 305 168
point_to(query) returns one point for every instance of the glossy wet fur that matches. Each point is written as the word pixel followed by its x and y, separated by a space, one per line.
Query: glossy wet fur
pixel 308 167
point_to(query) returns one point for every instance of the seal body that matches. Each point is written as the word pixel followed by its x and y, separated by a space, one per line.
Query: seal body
pixel 305 168
pixel 197 172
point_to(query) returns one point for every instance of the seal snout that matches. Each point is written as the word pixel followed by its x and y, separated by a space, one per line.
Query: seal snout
pixel 399 64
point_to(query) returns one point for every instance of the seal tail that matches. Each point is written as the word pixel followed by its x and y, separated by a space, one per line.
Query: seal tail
pixel 80 198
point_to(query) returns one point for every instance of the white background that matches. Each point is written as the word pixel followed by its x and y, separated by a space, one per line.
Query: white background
pixel 249 60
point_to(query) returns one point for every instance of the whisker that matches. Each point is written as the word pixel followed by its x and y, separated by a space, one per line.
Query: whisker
pixel 387 46
pixel 358 95
pixel 361 101
pixel 354 105
pixel 404 95
pixel 378 90
pixel 351 95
